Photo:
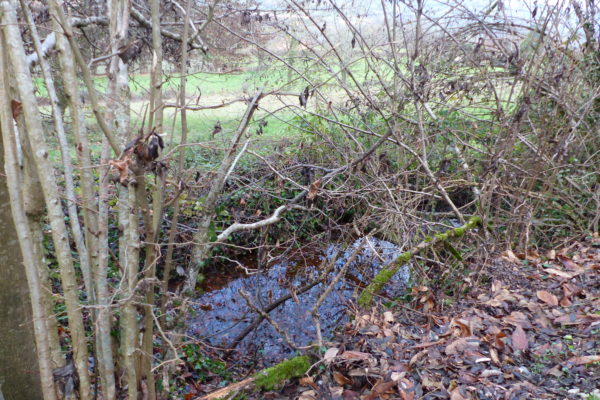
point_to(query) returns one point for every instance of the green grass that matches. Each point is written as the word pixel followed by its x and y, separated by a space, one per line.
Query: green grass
pixel 214 88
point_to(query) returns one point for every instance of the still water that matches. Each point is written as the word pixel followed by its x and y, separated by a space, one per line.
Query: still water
pixel 221 314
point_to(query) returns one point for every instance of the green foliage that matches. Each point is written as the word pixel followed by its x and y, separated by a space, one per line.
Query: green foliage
pixel 202 365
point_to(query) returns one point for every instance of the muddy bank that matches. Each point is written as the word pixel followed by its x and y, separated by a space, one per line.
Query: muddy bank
pixel 220 315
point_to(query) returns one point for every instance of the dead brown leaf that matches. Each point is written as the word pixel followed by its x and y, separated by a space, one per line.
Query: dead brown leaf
pixel 547 297
pixel 582 360
pixel 122 166
pixel 341 379
pixel 508 255
pixel 380 389
pixel 519 339
pixel 517 318
pixel 350 395
pixel 308 395
pixel 465 329
pixel 313 190
pixel 461 345
pixel 494 356
pixel 576 319
pixel 308 381
pixel 569 264
pixel 456 394
pixel 562 274
pixel 354 355
pixel 330 354
pixel 500 297
pixel 406 388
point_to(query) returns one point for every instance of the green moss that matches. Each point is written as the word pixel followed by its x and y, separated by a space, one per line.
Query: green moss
pixel 458 232
pixel 268 378
pixel 440 237
pixel 382 278
pixel 474 221
pixel 404 258
pixel 455 253
pixel 386 274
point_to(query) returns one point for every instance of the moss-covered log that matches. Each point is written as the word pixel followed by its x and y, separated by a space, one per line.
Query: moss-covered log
pixel 266 379
pixel 384 276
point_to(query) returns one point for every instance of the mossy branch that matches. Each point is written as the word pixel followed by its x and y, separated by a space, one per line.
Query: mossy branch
pixel 268 378
pixel 384 276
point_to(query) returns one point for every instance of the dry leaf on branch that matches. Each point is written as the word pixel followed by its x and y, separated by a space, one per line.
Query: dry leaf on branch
pixel 313 190
pixel 122 166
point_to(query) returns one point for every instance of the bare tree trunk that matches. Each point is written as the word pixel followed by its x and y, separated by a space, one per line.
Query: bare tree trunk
pixel 66 158
pixel 119 99
pixel 89 208
pixel 156 102
pixel 34 207
pixel 130 343
pixel 14 181
pixel 17 347
pixel 151 224
pixel 45 170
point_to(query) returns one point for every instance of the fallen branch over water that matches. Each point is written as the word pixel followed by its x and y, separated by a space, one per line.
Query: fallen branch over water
pixel 386 273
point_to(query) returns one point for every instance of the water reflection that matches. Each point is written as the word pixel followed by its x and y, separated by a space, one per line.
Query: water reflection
pixel 220 315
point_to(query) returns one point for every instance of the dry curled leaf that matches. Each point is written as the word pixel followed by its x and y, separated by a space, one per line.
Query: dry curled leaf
pixel 330 354
pixel 508 255
pixel 313 190
pixel 341 379
pixel 380 389
pixel 569 264
pixel 122 166
pixel 457 394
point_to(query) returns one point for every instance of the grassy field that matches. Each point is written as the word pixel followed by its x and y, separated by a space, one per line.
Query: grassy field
pixel 280 112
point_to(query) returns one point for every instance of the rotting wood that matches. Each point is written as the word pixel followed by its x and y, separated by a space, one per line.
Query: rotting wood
pixel 383 277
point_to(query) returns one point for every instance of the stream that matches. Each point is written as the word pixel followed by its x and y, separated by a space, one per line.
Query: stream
pixel 220 315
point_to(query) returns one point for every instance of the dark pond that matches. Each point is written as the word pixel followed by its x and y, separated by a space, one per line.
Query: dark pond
pixel 220 315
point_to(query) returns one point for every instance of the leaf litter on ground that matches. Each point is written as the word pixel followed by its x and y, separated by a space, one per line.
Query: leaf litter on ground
pixel 532 332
